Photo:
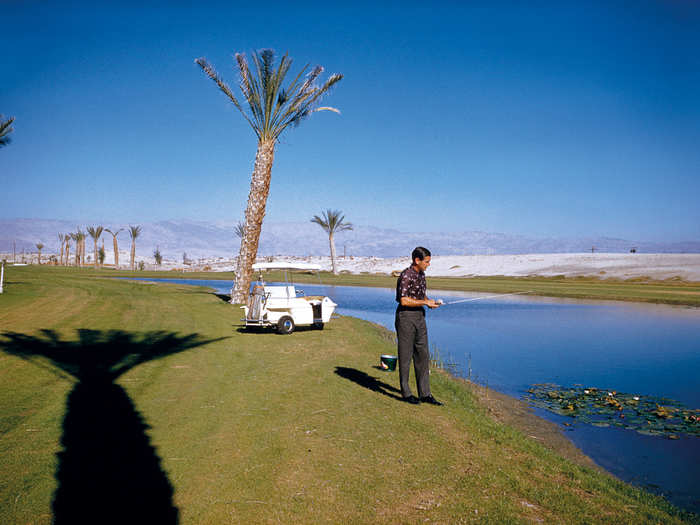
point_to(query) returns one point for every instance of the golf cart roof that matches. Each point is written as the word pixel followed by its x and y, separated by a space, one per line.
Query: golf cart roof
pixel 286 266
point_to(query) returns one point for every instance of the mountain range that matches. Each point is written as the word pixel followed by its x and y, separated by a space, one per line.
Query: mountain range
pixel 217 239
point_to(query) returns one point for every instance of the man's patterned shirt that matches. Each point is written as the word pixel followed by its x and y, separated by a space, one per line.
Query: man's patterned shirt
pixel 410 284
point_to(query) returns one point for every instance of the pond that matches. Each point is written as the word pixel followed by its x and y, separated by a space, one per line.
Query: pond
pixel 510 343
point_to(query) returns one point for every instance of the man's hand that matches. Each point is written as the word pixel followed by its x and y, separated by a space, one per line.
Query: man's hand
pixel 430 303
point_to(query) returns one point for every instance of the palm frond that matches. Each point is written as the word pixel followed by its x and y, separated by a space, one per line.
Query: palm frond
pixel 134 231
pixel 302 106
pixel 211 73
pixel 327 108
pixel 95 231
pixel 332 221
pixel 251 90
pixel 114 233
pixel 272 107
pixel 321 222
pixel 5 130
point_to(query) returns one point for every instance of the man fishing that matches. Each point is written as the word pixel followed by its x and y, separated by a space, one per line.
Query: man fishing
pixel 411 332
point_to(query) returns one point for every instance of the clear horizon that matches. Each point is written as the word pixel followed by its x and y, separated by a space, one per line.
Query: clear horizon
pixel 559 120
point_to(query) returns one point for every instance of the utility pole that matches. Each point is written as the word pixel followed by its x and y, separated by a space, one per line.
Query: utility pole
pixel 14 253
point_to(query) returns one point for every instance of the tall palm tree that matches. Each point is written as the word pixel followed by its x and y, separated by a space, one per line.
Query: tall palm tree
pixel 61 242
pixel 39 247
pixel 272 108
pixel 332 221
pixel 95 232
pixel 134 232
pixel 5 130
pixel 116 247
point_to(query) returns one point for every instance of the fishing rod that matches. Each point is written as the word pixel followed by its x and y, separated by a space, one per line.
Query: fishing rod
pixel 442 303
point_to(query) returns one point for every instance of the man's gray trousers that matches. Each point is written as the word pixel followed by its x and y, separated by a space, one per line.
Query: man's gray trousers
pixel 412 336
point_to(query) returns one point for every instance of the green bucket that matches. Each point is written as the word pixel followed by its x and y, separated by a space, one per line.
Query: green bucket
pixel 388 362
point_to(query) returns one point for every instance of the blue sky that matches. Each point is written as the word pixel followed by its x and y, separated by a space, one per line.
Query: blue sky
pixel 555 119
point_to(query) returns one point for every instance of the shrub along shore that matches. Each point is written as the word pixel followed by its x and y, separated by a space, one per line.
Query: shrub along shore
pixel 176 413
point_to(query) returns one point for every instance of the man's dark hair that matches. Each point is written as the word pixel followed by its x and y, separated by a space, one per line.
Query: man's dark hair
pixel 420 253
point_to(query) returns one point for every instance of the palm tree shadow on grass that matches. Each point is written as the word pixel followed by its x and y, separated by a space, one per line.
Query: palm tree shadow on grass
pixel 108 471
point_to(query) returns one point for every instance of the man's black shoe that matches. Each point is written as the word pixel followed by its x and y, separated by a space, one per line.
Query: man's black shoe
pixel 412 399
pixel 431 400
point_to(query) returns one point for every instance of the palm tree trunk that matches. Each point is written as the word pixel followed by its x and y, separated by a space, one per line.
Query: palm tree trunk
pixel 95 254
pixel 254 214
pixel 133 253
pixel 332 243
pixel 116 253
pixel 67 254
pixel 61 257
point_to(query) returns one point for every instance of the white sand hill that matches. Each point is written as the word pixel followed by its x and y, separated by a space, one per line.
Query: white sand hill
pixel 604 265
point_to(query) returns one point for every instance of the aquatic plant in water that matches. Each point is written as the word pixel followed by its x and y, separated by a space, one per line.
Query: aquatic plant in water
pixel 649 415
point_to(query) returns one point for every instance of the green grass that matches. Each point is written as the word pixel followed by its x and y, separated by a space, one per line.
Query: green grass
pixel 674 291
pixel 260 428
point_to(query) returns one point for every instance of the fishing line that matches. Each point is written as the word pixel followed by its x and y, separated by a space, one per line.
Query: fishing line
pixel 487 297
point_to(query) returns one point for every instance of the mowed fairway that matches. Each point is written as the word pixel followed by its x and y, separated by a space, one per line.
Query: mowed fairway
pixel 136 400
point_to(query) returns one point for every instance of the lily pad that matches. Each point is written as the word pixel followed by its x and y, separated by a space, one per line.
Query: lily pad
pixel 601 407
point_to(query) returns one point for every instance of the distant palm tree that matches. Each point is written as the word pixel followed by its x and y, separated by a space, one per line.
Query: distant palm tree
pixel 39 247
pixel 78 237
pixel 116 247
pixel 158 256
pixel 74 238
pixel 95 232
pixel 68 238
pixel 238 229
pixel 61 242
pixel 5 130
pixel 272 109
pixel 332 222
pixel 81 239
pixel 134 232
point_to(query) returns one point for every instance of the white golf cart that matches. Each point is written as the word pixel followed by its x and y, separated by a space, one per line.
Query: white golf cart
pixel 283 306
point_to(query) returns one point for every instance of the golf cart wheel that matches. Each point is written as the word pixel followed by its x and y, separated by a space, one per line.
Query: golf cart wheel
pixel 319 326
pixel 285 325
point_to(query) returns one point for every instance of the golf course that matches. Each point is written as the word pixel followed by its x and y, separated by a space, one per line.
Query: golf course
pixel 132 401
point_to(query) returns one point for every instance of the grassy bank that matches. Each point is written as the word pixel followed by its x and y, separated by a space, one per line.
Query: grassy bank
pixel 154 385
pixel 670 291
